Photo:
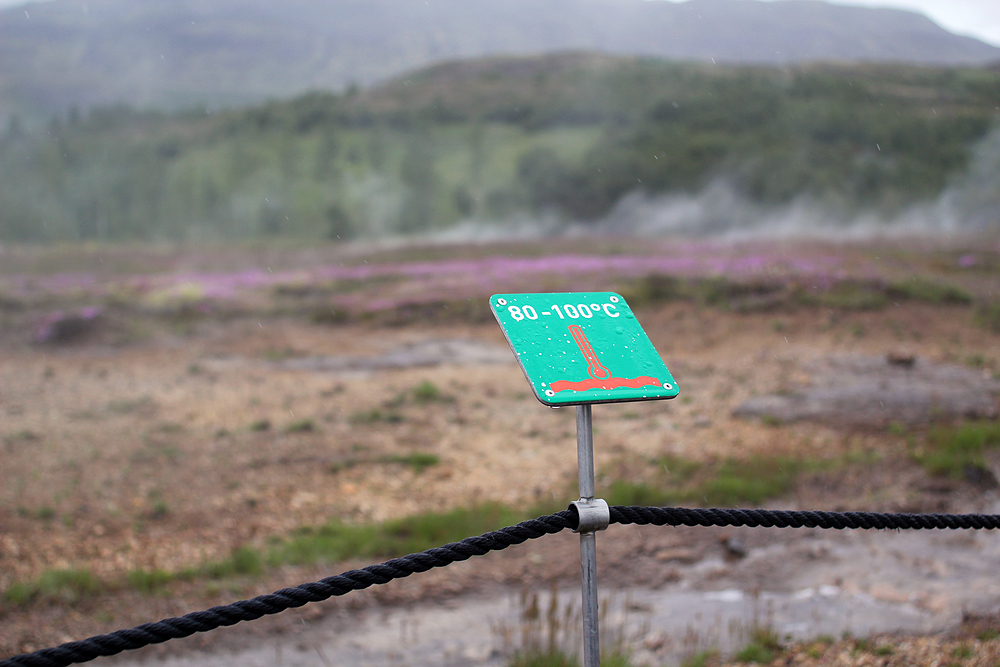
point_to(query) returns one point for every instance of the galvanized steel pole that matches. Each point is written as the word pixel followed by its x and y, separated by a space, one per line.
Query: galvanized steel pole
pixel 588 540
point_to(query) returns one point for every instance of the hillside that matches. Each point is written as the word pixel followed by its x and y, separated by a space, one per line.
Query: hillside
pixel 179 53
pixel 564 139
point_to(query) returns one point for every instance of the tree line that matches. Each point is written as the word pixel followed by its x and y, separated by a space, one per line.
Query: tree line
pixel 497 138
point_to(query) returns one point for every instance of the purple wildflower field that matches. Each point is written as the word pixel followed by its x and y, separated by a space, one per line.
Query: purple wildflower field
pixel 390 281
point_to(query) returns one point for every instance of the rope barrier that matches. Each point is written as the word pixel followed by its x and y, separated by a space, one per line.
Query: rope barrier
pixel 397 568
pixel 288 598
pixel 679 516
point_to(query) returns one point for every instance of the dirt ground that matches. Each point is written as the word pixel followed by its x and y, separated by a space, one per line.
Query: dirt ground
pixel 172 450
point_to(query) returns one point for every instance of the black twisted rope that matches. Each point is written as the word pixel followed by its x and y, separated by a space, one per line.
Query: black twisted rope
pixel 679 516
pixel 248 610
pixel 288 598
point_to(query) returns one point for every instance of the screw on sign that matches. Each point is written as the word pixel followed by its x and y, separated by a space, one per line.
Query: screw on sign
pixel 604 356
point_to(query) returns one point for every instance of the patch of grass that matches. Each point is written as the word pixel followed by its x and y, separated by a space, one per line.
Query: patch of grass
pixel 975 361
pixel 762 649
pixel 957 451
pixel 750 480
pixel 143 405
pixel 553 658
pixel 304 425
pixel 376 416
pixel 149 581
pixel 919 289
pixel 241 562
pixel 343 465
pixel 260 425
pixel 64 586
pixel 169 427
pixel 337 541
pixel 962 651
pixel 419 461
pixel 679 470
pixel 25 435
pixel 718 483
pixel 330 315
pixel 557 658
pixel 701 659
pixel 640 494
pixel 988 316
pixel 854 295
pixel 159 509
pixel 282 354
pixel 884 649
pixel 426 392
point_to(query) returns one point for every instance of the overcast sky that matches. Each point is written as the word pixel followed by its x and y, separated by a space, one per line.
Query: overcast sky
pixel 977 18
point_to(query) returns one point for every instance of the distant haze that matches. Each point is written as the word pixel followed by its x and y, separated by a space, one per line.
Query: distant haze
pixel 975 18
pixel 224 53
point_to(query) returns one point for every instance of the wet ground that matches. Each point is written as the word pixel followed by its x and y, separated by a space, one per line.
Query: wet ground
pixel 802 584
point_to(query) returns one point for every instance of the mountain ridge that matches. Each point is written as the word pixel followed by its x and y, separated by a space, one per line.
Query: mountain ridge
pixel 172 54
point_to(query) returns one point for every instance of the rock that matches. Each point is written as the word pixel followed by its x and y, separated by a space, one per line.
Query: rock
pixel 735 548
pixel 855 390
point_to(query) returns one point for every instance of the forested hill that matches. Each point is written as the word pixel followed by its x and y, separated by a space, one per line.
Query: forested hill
pixel 561 137
pixel 177 53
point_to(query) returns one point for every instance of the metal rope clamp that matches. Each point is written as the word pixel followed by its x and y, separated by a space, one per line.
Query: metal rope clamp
pixel 593 514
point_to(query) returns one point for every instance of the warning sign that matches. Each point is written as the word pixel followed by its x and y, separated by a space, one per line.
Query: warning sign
pixel 582 347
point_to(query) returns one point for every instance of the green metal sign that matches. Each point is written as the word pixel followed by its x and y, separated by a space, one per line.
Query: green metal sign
pixel 577 348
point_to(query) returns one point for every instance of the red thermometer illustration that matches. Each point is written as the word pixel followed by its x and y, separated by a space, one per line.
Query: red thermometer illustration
pixel 595 368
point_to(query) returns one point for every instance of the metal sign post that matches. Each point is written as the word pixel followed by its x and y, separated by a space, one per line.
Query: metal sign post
pixel 588 540
pixel 581 348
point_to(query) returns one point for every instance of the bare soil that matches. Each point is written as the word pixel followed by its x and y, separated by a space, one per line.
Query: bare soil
pixel 171 450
